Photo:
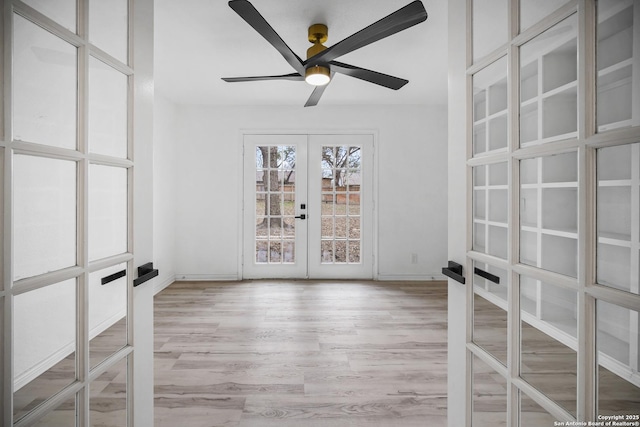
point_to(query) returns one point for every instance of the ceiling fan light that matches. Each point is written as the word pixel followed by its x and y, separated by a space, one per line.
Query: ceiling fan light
pixel 317 75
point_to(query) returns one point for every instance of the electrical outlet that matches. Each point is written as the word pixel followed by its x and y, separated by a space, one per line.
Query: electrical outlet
pixel 414 258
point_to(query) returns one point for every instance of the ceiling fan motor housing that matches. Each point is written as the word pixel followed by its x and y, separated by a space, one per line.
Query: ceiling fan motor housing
pixel 318 34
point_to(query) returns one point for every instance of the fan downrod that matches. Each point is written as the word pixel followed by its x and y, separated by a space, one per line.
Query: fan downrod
pixel 318 34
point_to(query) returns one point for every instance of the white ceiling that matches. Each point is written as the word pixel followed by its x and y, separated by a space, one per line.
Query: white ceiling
pixel 199 41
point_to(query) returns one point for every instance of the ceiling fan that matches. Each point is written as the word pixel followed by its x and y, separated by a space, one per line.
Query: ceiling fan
pixel 320 65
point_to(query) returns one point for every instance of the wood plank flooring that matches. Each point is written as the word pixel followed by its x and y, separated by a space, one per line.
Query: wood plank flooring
pixel 301 353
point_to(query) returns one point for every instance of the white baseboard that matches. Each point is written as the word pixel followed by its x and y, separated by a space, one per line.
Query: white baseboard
pixel 57 356
pixel 235 277
pixel 207 277
pixel 159 286
pixel 35 371
pixel 411 277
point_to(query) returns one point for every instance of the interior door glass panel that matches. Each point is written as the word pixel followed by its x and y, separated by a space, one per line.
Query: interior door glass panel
pixel 618 358
pixel 532 11
pixel 618 203
pixel 108 112
pixel 64 415
pixel 532 414
pixel 108 397
pixel 44 86
pixel 490 209
pixel 107 211
pixel 44 227
pixel 489 310
pixel 44 344
pixel 489 396
pixel 490 108
pixel 549 213
pixel 61 11
pixel 108 27
pixel 490 28
pixel 107 312
pixel 548 84
pixel 548 340
pixel 617 94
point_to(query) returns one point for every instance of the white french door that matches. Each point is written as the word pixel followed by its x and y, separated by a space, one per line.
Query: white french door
pixel 275 206
pixel 552 181
pixel 308 206
pixel 67 181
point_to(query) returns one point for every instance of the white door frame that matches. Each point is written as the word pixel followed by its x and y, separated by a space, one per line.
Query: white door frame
pixel 374 212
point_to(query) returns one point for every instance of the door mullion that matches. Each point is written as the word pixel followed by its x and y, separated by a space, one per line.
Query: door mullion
pixel 6 358
pixel 82 355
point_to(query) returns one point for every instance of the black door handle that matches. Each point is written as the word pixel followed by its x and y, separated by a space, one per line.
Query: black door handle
pixel 487 275
pixel 303 216
pixel 454 270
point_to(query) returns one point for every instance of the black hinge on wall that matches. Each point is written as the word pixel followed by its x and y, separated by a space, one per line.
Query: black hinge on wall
pixel 145 272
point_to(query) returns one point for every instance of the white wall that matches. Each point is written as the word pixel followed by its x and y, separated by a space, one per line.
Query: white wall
pixel 165 142
pixel 412 183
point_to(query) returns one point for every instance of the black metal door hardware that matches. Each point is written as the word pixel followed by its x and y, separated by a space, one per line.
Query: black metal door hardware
pixel 454 270
pixel 303 216
pixel 145 272
pixel 115 276
pixel 486 275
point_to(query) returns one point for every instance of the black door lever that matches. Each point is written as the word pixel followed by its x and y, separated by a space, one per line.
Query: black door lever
pixel 303 216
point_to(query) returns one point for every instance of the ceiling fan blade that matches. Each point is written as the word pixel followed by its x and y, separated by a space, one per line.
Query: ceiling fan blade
pixel 294 77
pixel 370 76
pixel 253 18
pixel 316 95
pixel 408 16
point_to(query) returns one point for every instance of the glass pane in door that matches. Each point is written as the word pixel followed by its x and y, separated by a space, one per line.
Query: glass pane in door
pixel 63 416
pixel 489 396
pixel 549 85
pixel 548 340
pixel 617 340
pixel 107 211
pixel 61 11
pixel 107 312
pixel 549 213
pixel 44 344
pixel 108 121
pixel 532 11
pixel 490 288
pixel 341 208
pixel 44 215
pixel 109 27
pixel 490 209
pixel 532 414
pixel 108 397
pixel 275 204
pixel 616 204
pixel 490 28
pixel 617 58
pixel 490 108
pixel 44 86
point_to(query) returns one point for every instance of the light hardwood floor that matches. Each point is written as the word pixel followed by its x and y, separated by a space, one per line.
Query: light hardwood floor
pixel 301 353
